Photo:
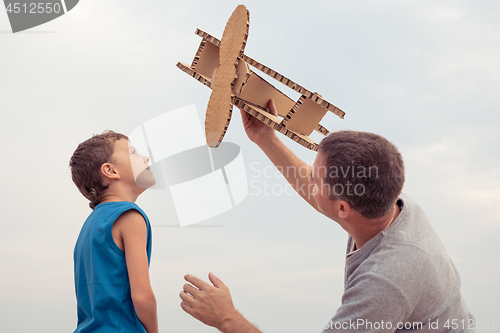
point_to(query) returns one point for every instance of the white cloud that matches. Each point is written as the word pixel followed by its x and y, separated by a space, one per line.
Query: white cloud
pixel 457 168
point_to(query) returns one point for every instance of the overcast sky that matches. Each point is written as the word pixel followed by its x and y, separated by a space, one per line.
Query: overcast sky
pixel 424 74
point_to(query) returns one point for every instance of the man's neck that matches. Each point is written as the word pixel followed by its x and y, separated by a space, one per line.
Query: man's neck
pixel 363 230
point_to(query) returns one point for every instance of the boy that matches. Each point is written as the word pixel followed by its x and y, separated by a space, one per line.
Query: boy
pixel 113 250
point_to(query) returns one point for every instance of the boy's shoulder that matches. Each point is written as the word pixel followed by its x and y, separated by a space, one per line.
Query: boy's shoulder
pixel 107 214
pixel 132 216
pixel 131 226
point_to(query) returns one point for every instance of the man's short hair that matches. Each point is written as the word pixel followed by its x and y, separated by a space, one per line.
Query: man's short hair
pixel 363 169
pixel 86 164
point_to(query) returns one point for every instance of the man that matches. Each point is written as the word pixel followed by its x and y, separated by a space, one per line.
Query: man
pixel 398 276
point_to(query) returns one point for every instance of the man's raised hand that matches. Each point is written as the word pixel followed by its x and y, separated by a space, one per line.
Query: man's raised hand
pixel 257 131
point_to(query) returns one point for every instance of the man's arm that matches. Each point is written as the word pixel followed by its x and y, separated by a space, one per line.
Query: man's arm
pixel 130 232
pixel 213 306
pixel 295 170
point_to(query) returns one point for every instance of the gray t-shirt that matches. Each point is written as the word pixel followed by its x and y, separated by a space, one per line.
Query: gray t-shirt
pixel 402 280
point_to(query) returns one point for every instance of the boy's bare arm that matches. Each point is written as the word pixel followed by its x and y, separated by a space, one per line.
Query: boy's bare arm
pixel 131 229
pixel 295 170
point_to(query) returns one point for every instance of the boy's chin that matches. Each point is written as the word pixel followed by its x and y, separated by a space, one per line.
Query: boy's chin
pixel 145 179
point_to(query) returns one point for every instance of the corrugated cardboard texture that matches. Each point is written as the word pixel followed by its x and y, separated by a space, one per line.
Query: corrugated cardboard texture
pixel 201 78
pixel 222 66
pixel 274 122
pixel 306 117
pixel 231 47
pixel 258 91
pixel 243 73
pixel 206 59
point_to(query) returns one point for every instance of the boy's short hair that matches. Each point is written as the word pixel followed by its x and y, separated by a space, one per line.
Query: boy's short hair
pixel 86 164
pixel 363 169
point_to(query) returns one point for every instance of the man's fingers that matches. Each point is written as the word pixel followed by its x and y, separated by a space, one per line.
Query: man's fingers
pixel 272 107
pixel 244 116
pixel 215 280
pixel 191 290
pixel 197 282
pixel 186 297
pixel 186 305
pixel 188 308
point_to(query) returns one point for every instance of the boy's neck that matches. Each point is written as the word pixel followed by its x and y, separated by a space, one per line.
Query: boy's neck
pixel 113 198
pixel 118 193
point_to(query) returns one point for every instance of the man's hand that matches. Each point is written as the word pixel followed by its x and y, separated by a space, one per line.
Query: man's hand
pixel 212 305
pixel 257 131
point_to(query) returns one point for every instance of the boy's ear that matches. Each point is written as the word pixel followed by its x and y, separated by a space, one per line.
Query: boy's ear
pixel 109 172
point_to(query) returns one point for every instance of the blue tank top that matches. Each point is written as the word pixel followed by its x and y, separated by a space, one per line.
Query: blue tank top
pixel 104 302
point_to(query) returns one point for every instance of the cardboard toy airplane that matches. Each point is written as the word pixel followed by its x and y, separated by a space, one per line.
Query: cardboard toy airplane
pixel 222 66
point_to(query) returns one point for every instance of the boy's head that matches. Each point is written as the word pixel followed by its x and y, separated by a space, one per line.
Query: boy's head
pixel 100 150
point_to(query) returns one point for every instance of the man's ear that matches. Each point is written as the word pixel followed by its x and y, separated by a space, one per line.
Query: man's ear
pixel 343 209
pixel 109 172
